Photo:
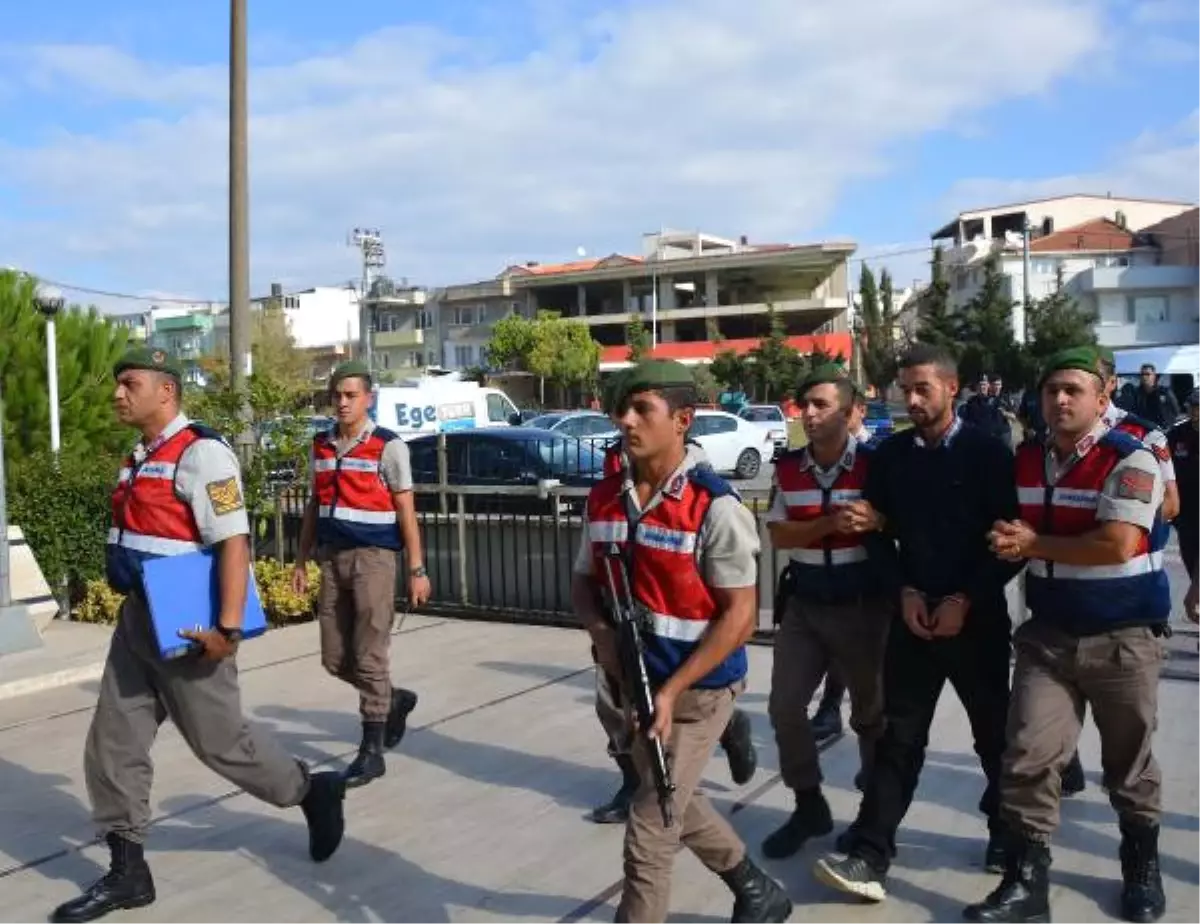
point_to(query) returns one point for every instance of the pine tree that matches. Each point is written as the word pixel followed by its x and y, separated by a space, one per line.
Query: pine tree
pixel 936 325
pixel 877 328
pixel 1057 321
pixel 88 345
pixel 985 330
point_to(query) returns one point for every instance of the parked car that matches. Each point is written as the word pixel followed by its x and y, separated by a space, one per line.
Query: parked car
pixel 771 420
pixel 503 457
pixel 878 420
pixel 591 427
pixel 734 446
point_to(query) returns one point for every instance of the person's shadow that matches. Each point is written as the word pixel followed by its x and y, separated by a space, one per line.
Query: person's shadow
pixel 361 882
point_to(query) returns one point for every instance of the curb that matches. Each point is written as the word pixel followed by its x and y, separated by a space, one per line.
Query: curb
pixel 42 682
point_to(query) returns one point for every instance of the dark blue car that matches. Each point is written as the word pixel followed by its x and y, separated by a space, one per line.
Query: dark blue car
pixel 504 456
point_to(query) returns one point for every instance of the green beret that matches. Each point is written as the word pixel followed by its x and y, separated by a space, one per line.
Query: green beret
pixel 149 358
pixel 354 367
pixel 1083 358
pixel 612 387
pixel 651 374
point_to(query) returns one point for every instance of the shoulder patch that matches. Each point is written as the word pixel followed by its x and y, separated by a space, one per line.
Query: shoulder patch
pixel 704 477
pixel 1136 485
pixel 224 495
pixel 207 433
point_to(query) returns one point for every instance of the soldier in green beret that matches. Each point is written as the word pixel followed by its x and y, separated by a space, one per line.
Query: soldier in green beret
pixel 831 606
pixel 359 517
pixel 178 492
pixel 1099 603
pixel 695 581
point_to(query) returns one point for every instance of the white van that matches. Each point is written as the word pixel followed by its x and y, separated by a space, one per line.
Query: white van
pixel 1178 369
pixel 432 405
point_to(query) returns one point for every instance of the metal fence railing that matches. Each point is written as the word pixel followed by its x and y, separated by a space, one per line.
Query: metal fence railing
pixel 497 551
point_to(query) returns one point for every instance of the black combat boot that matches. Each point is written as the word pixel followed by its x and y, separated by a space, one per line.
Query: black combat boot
pixel 127 884
pixel 616 810
pixel 738 744
pixel 1072 778
pixel 1142 897
pixel 369 763
pixel 756 896
pixel 827 720
pixel 1024 892
pixel 811 818
pixel 323 808
pixel 403 702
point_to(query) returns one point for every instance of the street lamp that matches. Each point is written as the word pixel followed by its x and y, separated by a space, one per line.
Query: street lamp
pixel 49 301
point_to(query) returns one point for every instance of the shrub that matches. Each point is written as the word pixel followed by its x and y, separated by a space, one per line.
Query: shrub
pixel 100 604
pixel 283 606
pixel 63 511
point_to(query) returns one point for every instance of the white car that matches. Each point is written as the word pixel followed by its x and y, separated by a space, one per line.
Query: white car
pixel 733 445
pixel 771 420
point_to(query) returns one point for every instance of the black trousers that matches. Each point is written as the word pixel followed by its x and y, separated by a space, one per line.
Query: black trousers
pixel 975 662
pixel 1188 531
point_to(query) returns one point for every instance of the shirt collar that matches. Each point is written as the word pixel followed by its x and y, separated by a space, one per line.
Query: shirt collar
pixel 1113 415
pixel 675 485
pixel 846 462
pixel 1086 443
pixel 947 437
pixel 177 424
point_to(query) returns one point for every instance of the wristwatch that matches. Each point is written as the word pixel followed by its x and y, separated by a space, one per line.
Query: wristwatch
pixel 233 635
pixel 418 571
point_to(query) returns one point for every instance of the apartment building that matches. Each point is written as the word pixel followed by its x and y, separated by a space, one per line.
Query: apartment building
pixel 690 289
pixel 1130 261
pixel 403 330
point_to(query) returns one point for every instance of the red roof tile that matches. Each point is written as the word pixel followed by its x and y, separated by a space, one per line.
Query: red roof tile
pixel 1097 234
pixel 705 350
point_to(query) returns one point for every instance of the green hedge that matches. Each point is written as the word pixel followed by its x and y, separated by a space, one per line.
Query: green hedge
pixel 64 513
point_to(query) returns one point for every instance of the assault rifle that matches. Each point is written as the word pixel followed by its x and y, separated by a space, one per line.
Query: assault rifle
pixel 633 668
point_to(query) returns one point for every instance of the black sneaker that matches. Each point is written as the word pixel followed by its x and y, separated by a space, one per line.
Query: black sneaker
pixel 324 810
pixel 811 818
pixel 852 875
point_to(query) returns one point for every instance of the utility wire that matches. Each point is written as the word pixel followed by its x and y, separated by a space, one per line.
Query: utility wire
pixel 906 250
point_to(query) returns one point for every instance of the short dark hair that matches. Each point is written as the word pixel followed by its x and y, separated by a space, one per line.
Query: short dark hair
pixel 365 379
pixel 677 397
pixel 926 354
pixel 1148 367
pixel 846 392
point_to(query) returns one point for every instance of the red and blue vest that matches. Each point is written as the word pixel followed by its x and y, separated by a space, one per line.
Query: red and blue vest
pixel 1086 600
pixel 614 464
pixel 1139 429
pixel 664 574
pixel 834 569
pixel 354 503
pixel 149 520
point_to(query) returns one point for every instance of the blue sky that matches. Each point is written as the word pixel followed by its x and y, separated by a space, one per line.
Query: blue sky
pixel 477 134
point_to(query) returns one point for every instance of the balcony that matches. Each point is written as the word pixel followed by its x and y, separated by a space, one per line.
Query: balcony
pixel 725 311
pixel 399 338
pixel 1111 278
pixel 1159 333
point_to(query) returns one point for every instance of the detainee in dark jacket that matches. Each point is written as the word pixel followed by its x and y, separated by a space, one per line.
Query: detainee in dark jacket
pixel 939 487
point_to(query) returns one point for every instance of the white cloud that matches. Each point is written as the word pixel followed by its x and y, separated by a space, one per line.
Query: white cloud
pixel 1155 165
pixel 746 117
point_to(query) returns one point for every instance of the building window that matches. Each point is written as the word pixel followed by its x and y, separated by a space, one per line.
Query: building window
pixel 1044 267
pixel 385 360
pixel 463 356
pixel 1113 260
pixel 424 320
pixel 414 358
pixel 291 301
pixel 1146 309
pixel 464 317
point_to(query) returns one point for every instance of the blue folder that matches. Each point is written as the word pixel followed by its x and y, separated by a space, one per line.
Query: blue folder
pixel 183 593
